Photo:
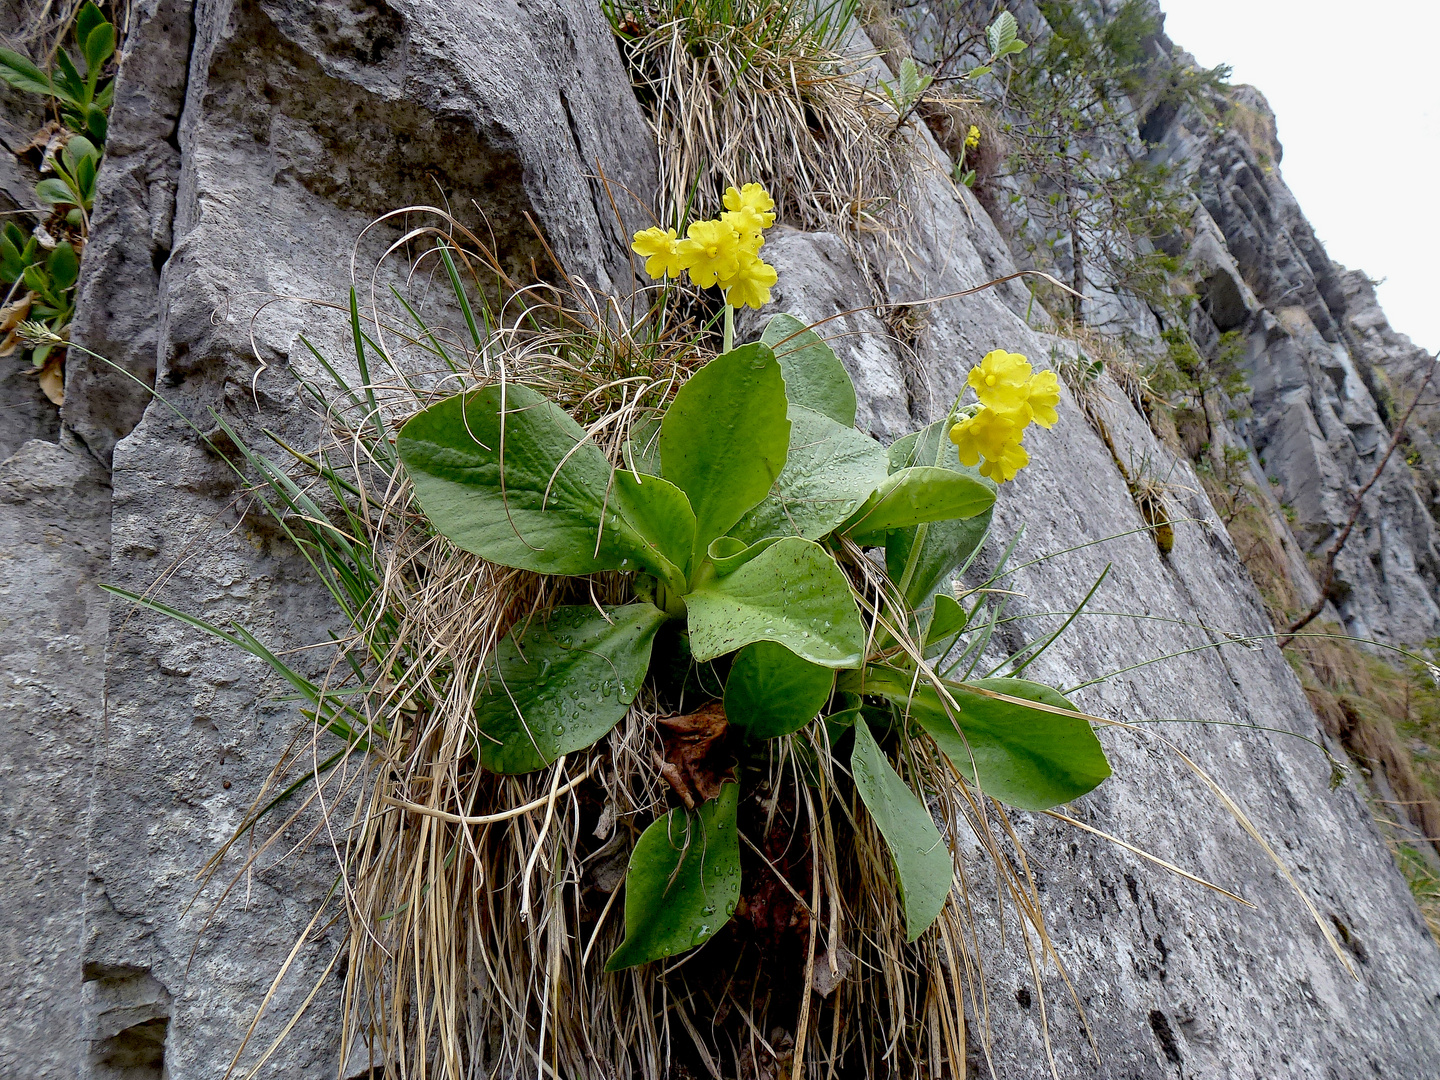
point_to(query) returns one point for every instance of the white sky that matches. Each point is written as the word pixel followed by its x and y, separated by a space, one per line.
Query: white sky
pixel 1356 93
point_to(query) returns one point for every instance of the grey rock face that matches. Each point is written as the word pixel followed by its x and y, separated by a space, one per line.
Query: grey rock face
pixel 54 546
pixel 254 141
pixel 1171 980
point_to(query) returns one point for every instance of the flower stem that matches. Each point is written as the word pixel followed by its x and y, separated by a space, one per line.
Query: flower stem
pixel 729 329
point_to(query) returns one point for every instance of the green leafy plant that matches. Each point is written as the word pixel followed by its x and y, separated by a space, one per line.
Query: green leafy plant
pixel 41 280
pixel 82 99
pixel 741 516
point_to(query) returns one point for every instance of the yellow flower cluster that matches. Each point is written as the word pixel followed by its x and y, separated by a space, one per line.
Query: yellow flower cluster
pixel 972 138
pixel 1011 398
pixel 724 251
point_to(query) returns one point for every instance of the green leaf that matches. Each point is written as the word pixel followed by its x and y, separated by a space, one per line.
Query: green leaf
pixel 923 863
pixel 771 692
pixel 68 85
pixel 563 685
pixel 52 191
pixel 943 545
pixel 975 73
pixel 1029 758
pixel 791 593
pixel 86 20
pixel 76 150
pixel 1001 33
pixel 727 554
pixel 98 47
pixel 830 470
pixel 96 125
pixel 20 73
pixel 11 264
pixel 915 495
pixel 683 882
pixel 538 514
pixel 85 180
pixel 1012 48
pixel 63 265
pixel 814 376
pixel 724 438
pixel 36 279
pixel 947 620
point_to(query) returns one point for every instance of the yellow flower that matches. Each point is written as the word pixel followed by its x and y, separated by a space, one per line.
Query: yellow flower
pixel 972 137
pixel 1012 459
pixel 751 283
pixel 1002 383
pixel 661 252
pixel 712 251
pixel 747 223
pixel 985 435
pixel 752 197
pixel 1044 395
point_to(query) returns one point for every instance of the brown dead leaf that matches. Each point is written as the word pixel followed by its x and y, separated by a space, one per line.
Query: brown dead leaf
pixel 13 313
pixel 11 316
pixel 49 139
pixel 52 378
pixel 695 763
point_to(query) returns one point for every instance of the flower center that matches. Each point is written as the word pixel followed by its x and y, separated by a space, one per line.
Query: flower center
pixel 991 380
pixel 711 251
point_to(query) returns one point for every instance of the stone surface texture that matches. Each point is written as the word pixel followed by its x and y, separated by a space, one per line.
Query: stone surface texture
pixel 254 140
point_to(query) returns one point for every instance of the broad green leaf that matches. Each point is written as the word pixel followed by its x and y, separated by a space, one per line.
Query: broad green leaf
pixel 96 125
pixel 11 263
pixel 86 20
pixel 76 150
pixel 683 882
pixel 771 692
pixel 98 47
pixel 915 495
pixel 642 449
pixel 36 279
pixel 53 191
pixel 831 469
pixel 943 545
pixel 724 438
pixel 63 265
pixel 1011 48
pixel 658 511
pixel 1028 758
pixel 20 73
pixel 85 180
pixel 727 554
pixel 791 593
pixel 563 685
pixel 1001 33
pixel 814 376
pixel 539 514
pixel 923 863
pixel 947 620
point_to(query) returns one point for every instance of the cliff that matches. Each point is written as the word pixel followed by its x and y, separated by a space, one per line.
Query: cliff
pixel 252 142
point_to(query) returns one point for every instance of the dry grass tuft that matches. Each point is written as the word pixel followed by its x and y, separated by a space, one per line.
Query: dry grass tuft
pixel 743 91
pixel 479 909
